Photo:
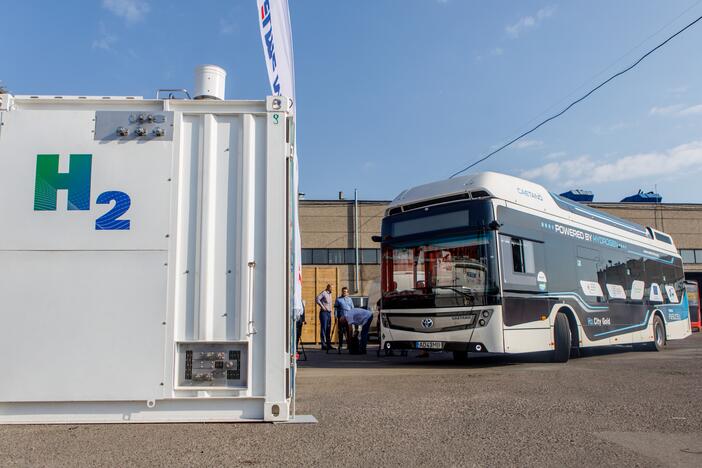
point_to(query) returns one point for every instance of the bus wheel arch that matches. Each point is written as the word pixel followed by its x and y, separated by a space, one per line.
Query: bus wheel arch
pixel 574 329
pixel 660 339
pixel 562 338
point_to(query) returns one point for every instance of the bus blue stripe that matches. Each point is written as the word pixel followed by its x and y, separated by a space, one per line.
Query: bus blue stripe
pixel 625 328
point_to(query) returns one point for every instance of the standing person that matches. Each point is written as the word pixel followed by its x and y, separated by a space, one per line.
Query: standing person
pixel 300 321
pixel 324 301
pixel 342 305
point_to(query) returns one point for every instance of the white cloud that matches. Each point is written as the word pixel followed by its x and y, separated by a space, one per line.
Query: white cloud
pixel 677 110
pixel 524 144
pixel 227 27
pixel 678 90
pixel 612 128
pixel 691 110
pixel 585 170
pixel 494 52
pixel 105 41
pixel 526 23
pixel 555 155
pixel 132 11
pixel 368 166
pixel 666 110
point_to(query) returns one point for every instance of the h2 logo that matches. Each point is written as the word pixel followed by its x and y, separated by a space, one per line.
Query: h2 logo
pixel 77 182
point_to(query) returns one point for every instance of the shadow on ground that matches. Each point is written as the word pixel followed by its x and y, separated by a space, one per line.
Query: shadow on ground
pixel 319 359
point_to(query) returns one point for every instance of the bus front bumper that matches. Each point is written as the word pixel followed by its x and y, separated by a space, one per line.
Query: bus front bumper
pixel 476 330
pixel 449 346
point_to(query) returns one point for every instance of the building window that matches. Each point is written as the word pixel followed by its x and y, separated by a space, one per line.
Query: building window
pixel 336 256
pixel 691 255
pixel 688 256
pixel 369 256
pixel 350 256
pixel 340 256
pixel 306 258
pixel 320 256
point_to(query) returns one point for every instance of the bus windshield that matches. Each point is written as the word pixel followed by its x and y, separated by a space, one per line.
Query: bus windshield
pixel 456 271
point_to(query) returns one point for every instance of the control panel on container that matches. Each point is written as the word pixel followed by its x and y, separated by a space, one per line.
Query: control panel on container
pixel 220 365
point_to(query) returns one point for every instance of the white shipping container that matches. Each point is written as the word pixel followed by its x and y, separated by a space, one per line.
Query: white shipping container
pixel 145 253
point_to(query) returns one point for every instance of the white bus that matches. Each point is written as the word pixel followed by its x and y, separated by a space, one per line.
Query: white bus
pixel 490 263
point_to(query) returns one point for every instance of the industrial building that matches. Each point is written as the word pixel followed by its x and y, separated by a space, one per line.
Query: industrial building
pixel 337 248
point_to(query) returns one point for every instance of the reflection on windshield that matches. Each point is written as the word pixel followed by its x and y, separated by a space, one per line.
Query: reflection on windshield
pixel 452 272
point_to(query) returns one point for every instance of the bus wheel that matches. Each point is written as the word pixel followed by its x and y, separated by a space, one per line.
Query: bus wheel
pixel 561 338
pixel 460 356
pixel 659 341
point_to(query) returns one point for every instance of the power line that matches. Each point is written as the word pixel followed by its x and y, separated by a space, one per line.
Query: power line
pixel 605 69
pixel 585 96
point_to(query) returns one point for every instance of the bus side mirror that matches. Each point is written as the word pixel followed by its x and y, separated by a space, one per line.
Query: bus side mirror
pixel 494 225
pixel 376 238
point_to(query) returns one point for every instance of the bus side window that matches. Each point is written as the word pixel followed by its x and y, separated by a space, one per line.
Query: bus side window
pixel 589 271
pixel 636 279
pixel 523 263
pixel 522 256
pixel 615 275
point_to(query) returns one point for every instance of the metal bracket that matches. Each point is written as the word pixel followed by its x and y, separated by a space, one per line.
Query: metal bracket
pixel 299 419
pixel 6 102
pixel 170 92
pixel 278 104
pixel 133 126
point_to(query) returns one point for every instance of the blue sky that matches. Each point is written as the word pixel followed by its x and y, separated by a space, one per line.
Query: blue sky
pixel 398 93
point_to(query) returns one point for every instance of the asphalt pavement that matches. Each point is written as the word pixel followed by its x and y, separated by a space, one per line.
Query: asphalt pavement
pixel 611 407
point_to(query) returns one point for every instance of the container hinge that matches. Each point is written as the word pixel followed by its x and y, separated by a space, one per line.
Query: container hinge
pixel 251 329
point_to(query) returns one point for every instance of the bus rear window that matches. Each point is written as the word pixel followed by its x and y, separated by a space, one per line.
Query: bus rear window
pixel 664 238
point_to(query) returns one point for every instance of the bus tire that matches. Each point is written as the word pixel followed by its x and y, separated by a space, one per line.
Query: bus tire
pixel 561 338
pixel 460 356
pixel 659 340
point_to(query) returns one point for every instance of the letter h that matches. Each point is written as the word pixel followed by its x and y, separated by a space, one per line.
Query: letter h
pixel 49 180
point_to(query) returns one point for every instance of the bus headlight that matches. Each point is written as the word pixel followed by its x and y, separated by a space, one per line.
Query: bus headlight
pixel 484 317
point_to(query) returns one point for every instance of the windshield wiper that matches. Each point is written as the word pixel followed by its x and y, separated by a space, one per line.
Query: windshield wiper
pixel 465 292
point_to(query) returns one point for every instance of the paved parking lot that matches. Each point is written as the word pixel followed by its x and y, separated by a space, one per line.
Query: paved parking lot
pixel 613 407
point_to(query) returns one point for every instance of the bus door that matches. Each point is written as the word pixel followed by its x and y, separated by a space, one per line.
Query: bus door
pixel 525 282
pixel 693 299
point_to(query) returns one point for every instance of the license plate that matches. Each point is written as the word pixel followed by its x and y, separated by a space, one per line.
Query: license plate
pixel 430 345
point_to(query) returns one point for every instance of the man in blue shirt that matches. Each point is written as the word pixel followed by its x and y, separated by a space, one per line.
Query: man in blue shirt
pixel 342 305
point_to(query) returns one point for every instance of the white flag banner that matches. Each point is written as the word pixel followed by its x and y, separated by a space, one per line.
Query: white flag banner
pixel 276 38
